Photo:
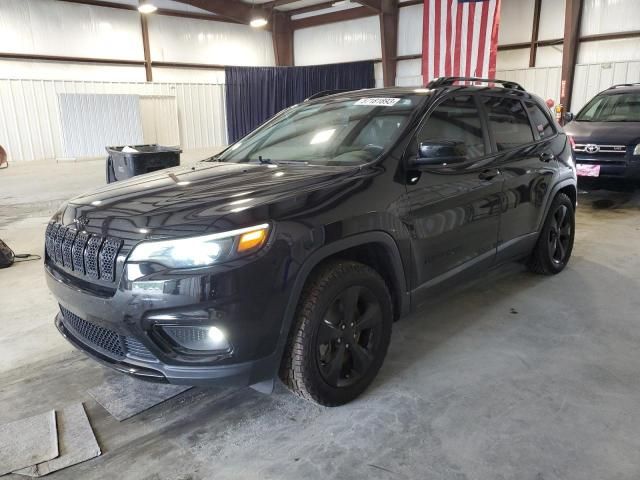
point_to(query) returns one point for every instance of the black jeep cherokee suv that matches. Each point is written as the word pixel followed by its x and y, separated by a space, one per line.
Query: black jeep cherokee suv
pixel 605 134
pixel 295 249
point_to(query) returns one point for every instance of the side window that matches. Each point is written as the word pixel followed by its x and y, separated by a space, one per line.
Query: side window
pixel 456 119
pixel 508 121
pixel 541 122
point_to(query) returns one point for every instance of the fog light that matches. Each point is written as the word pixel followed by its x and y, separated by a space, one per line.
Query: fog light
pixel 197 338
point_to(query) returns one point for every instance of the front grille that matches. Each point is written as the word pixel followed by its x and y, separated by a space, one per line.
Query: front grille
pixel 100 337
pixel 105 340
pixel 85 254
pixel 593 149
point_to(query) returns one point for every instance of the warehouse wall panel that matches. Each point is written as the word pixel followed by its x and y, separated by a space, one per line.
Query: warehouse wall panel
pixel 604 51
pixel 409 73
pixel 410 30
pixel 30 119
pixel 347 41
pixel 609 16
pixel 551 19
pixel 39 70
pixel 512 59
pixel 543 81
pixel 49 27
pixel 593 78
pixel 516 18
pixel 174 39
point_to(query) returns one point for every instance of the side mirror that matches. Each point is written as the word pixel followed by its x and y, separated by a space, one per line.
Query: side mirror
pixel 439 153
pixel 568 117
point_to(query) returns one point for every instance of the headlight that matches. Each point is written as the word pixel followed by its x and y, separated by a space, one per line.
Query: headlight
pixel 203 250
pixel 636 151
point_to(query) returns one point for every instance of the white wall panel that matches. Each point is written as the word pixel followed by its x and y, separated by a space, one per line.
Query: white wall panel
pixel 544 82
pixel 409 73
pixel 377 74
pixel 89 122
pixel 159 115
pixel 37 70
pixel 609 16
pixel 188 75
pixel 516 19
pixel 550 56
pixel 551 19
pixel 609 50
pixel 591 79
pixel 512 59
pixel 175 39
pixel 347 41
pixel 30 122
pixel 50 27
pixel 410 30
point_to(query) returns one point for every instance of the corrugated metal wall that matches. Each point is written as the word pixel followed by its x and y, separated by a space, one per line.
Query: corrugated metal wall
pixel 543 81
pixel 30 121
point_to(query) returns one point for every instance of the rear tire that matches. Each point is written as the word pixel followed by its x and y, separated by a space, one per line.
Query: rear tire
pixel 341 333
pixel 555 243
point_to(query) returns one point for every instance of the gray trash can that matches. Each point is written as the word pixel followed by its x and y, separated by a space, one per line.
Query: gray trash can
pixel 146 158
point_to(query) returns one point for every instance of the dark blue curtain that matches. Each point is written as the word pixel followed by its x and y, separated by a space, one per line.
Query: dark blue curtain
pixel 255 94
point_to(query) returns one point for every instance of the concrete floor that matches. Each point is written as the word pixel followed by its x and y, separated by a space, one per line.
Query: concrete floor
pixel 521 377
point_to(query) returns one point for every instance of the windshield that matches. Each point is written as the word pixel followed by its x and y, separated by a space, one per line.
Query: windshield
pixel 620 107
pixel 335 132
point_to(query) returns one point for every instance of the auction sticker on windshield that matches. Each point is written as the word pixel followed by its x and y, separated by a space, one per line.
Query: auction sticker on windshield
pixel 379 101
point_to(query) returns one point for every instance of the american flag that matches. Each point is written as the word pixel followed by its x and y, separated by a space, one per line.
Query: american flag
pixel 460 38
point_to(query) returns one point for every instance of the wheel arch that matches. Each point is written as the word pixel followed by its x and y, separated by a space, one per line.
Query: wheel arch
pixel 362 247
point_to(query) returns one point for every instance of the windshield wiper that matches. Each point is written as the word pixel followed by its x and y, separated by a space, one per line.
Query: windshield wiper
pixel 265 161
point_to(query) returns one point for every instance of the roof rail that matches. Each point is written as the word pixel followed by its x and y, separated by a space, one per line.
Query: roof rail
pixel 633 84
pixel 325 93
pixel 446 81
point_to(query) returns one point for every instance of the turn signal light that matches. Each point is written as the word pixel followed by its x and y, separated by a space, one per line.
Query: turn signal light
pixel 252 240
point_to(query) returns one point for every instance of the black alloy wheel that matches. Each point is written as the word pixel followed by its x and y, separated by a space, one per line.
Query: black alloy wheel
pixel 555 243
pixel 560 235
pixel 341 333
pixel 348 336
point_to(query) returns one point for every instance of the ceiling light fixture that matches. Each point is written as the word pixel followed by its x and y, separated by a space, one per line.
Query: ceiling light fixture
pixel 258 22
pixel 257 19
pixel 145 6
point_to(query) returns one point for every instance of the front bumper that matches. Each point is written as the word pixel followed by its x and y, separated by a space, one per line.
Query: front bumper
pixel 239 375
pixel 246 300
pixel 613 167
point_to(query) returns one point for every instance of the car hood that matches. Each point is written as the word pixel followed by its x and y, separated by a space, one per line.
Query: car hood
pixel 608 133
pixel 188 200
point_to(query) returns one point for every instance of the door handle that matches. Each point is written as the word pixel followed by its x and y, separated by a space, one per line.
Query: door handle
pixel 546 157
pixel 489 174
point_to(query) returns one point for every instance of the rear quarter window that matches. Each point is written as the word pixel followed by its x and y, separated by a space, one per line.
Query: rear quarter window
pixel 541 121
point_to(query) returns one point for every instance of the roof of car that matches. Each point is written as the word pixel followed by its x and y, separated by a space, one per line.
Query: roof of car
pixel 621 88
pixel 405 91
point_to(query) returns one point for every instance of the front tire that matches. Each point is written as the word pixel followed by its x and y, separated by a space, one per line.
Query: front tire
pixel 555 244
pixel 341 334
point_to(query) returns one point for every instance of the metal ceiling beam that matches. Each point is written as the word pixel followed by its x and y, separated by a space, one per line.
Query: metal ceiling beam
pixel 375 5
pixel 231 9
pixel 339 16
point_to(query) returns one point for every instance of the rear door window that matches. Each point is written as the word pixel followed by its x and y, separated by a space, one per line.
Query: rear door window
pixel 541 121
pixel 456 119
pixel 508 121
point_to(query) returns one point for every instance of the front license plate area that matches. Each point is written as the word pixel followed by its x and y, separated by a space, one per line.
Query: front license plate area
pixel 584 170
